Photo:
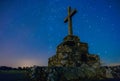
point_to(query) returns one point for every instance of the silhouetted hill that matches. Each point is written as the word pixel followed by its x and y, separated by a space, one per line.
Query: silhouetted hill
pixel 6 68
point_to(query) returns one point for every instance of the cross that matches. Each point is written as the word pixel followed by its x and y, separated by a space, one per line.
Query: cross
pixel 69 19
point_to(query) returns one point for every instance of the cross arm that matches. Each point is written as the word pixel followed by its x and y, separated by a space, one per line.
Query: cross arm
pixel 71 14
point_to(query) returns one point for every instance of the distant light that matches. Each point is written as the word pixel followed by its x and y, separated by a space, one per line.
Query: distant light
pixel 28 62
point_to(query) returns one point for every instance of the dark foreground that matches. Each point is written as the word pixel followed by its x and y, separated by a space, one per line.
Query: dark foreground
pixel 21 76
pixel 13 76
pixel 111 80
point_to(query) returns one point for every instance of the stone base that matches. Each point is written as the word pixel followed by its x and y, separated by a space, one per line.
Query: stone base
pixel 72 53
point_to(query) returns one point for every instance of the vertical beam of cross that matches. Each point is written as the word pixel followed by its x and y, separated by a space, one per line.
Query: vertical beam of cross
pixel 69 19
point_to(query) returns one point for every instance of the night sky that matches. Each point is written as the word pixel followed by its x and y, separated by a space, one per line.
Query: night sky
pixel 30 30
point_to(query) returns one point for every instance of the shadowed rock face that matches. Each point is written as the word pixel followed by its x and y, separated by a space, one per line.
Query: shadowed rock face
pixel 84 72
pixel 72 53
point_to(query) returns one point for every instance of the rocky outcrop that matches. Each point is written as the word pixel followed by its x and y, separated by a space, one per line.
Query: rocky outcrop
pixel 112 71
pixel 84 72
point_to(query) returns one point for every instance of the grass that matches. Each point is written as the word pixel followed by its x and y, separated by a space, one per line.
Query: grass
pixel 12 71
pixel 13 75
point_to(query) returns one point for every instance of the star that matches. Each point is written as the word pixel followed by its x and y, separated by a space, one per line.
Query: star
pixel 110 6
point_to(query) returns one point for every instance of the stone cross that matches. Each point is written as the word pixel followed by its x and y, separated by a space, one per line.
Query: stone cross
pixel 69 19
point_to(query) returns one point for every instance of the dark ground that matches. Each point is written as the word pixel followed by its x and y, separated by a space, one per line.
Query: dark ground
pixel 13 76
pixel 111 80
pixel 20 76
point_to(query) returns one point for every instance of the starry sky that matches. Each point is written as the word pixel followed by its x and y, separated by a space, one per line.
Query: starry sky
pixel 30 30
